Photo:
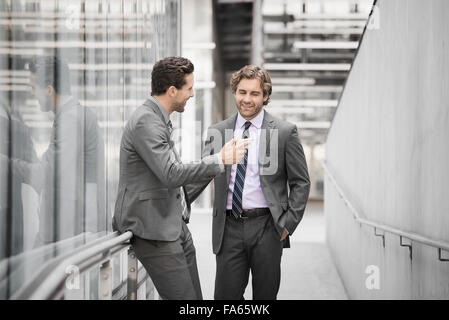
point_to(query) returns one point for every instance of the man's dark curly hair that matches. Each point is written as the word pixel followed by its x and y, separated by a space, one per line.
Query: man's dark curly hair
pixel 170 71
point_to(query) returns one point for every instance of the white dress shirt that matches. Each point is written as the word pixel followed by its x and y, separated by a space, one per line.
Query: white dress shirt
pixel 253 196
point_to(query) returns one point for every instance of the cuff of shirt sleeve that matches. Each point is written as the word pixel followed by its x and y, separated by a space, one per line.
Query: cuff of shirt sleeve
pixel 220 161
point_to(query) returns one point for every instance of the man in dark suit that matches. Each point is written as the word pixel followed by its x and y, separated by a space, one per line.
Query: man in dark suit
pixel 258 203
pixel 151 199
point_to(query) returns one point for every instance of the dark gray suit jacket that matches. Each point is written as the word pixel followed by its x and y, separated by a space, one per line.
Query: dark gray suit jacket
pixel 283 174
pixel 149 200
pixel 69 176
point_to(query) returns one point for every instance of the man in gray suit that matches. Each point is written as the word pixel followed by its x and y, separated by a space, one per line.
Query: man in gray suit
pixel 69 175
pixel 151 199
pixel 259 202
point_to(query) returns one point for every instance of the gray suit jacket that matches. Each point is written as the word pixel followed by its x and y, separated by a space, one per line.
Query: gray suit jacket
pixel 69 176
pixel 149 200
pixel 283 174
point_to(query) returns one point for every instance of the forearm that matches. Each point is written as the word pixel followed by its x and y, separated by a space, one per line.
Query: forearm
pixel 178 174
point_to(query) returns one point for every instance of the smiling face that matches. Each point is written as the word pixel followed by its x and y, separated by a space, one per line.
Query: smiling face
pixel 181 96
pixel 249 98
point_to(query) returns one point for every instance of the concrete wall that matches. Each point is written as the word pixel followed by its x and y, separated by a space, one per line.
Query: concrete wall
pixel 388 149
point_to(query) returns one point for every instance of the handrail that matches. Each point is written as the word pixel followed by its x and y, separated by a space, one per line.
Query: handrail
pixel 50 284
pixel 403 234
pixel 59 246
pixel 50 264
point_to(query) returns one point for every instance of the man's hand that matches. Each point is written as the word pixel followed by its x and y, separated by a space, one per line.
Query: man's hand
pixel 233 151
pixel 284 234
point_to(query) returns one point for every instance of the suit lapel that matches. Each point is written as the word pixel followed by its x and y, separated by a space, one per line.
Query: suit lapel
pixel 230 125
pixel 265 138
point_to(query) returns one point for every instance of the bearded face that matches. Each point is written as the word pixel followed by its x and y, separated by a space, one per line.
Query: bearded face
pixel 249 98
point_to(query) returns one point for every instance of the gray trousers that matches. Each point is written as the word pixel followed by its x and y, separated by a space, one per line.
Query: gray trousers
pixel 250 244
pixel 171 266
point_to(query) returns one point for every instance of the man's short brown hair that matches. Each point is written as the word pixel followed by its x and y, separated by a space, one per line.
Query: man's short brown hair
pixel 252 72
pixel 170 71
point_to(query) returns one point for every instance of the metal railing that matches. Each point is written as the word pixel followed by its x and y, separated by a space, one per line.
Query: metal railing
pixel 438 244
pixel 50 283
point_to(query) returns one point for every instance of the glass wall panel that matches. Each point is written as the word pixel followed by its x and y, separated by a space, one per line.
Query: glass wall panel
pixel 198 46
pixel 71 74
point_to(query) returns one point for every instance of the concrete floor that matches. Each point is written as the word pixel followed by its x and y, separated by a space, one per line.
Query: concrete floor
pixel 308 272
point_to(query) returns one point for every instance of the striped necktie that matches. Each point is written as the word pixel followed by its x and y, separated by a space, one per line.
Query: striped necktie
pixel 240 178
pixel 185 211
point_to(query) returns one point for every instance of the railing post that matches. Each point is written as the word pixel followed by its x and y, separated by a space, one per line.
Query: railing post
pixel 440 256
pixel 132 275
pixel 142 291
pixel 380 235
pixel 406 245
pixel 105 286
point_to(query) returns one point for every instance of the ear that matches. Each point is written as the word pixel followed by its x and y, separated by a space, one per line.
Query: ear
pixel 172 91
pixel 49 91
pixel 265 98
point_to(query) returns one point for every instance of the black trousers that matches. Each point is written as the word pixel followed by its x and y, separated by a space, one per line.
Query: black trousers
pixel 171 266
pixel 250 244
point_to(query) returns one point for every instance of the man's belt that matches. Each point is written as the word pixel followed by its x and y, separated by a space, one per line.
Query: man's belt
pixel 250 213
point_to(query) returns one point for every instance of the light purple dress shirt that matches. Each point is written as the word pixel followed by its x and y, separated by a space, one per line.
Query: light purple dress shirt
pixel 253 196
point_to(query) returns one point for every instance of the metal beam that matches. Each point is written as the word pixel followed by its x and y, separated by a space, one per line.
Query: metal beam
pixel 320 31
pixel 308 66
pixel 306 103
pixel 287 88
pixel 314 124
pixel 325 44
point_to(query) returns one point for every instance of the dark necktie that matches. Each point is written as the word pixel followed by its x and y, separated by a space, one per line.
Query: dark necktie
pixel 185 212
pixel 240 178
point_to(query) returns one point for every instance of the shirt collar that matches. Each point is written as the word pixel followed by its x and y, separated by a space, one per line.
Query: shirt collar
pixel 164 112
pixel 257 121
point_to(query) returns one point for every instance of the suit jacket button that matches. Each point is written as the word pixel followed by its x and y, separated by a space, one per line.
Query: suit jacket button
pixel 178 196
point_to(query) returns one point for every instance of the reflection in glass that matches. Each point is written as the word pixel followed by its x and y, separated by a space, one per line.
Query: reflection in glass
pixel 71 73
pixel 69 175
